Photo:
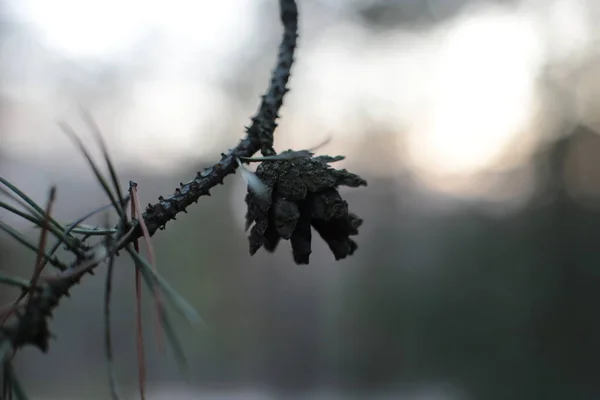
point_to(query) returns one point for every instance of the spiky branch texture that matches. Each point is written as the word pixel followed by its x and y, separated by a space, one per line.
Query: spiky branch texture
pixel 31 325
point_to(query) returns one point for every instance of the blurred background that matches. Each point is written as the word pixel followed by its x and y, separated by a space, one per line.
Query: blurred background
pixel 474 122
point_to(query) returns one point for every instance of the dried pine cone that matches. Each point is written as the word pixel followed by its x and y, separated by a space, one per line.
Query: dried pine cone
pixel 302 192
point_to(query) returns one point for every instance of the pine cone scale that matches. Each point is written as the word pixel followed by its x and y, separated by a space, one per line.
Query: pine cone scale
pixel 303 193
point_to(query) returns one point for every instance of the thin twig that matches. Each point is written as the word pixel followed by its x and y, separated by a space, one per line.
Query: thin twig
pixel 32 325
pixel 114 391
pixel 39 262
pixel 139 337
pixel 150 249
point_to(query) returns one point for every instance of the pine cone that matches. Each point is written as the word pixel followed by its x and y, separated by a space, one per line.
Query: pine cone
pixel 302 192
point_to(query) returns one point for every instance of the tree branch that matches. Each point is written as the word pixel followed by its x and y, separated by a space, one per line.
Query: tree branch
pixel 259 135
pixel 31 327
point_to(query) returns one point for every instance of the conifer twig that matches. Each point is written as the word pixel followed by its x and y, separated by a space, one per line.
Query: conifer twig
pixel 31 326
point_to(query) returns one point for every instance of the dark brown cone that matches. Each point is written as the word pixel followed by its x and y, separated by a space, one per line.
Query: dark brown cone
pixel 302 193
